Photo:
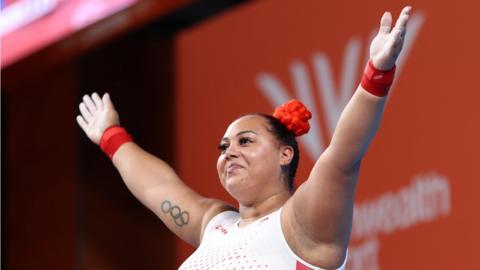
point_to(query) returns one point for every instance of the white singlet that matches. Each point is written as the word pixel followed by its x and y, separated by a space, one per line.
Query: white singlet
pixel 260 245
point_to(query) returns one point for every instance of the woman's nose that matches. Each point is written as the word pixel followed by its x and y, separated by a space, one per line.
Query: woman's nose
pixel 231 152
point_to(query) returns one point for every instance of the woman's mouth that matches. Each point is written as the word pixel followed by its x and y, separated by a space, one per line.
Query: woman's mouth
pixel 233 167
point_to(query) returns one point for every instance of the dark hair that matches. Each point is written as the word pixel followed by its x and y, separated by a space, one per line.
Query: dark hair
pixel 285 137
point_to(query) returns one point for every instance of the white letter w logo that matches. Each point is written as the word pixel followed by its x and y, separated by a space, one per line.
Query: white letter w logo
pixel 332 102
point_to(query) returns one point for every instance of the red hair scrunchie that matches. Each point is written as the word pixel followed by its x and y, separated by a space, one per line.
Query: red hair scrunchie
pixel 294 115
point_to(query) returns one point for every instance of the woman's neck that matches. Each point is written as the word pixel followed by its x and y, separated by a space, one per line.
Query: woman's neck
pixel 251 212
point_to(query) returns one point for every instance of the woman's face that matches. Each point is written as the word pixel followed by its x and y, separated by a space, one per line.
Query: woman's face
pixel 249 165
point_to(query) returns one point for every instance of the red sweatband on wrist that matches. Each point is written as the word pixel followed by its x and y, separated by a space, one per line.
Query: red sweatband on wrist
pixel 377 82
pixel 113 138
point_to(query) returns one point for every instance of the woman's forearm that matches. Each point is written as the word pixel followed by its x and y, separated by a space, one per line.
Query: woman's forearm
pixel 356 128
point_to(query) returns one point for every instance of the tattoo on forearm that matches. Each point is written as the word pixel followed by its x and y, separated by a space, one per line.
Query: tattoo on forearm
pixel 180 218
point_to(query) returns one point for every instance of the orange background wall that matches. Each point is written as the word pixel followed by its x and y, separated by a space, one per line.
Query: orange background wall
pixel 418 184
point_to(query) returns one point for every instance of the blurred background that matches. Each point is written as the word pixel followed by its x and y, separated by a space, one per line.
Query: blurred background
pixel 179 71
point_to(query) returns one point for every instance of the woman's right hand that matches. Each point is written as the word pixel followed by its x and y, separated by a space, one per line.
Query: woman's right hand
pixel 387 44
pixel 97 114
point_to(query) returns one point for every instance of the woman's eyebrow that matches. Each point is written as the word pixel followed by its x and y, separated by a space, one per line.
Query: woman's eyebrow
pixel 245 131
pixel 240 133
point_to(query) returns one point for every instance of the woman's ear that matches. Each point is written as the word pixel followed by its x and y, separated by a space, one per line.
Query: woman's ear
pixel 286 155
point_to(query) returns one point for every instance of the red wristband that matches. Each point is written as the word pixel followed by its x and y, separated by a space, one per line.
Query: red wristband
pixel 377 82
pixel 113 138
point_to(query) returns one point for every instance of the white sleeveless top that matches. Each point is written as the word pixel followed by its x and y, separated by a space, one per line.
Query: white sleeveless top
pixel 260 245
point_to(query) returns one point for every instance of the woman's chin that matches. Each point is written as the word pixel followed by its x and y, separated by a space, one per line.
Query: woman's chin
pixel 233 180
pixel 235 185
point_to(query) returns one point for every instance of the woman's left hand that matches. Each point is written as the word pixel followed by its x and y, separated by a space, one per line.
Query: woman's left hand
pixel 386 46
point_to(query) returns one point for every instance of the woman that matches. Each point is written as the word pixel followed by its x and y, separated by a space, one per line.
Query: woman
pixel 272 228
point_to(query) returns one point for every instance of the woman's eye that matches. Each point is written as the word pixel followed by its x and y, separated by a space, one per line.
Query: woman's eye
pixel 244 141
pixel 222 147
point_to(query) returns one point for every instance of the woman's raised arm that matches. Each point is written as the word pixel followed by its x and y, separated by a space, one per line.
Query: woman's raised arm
pixel 319 214
pixel 151 180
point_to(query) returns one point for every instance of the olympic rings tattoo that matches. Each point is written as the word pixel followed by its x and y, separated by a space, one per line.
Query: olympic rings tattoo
pixel 180 218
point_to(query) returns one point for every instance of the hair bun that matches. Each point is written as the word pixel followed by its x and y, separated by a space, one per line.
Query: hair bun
pixel 294 115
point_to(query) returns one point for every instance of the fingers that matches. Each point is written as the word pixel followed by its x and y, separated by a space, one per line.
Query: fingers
pixel 87 100
pixel 400 29
pixel 386 23
pixel 406 10
pixel 90 106
pixel 403 18
pixel 93 106
pixel 98 102
pixel 85 112
pixel 81 122
pixel 107 101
